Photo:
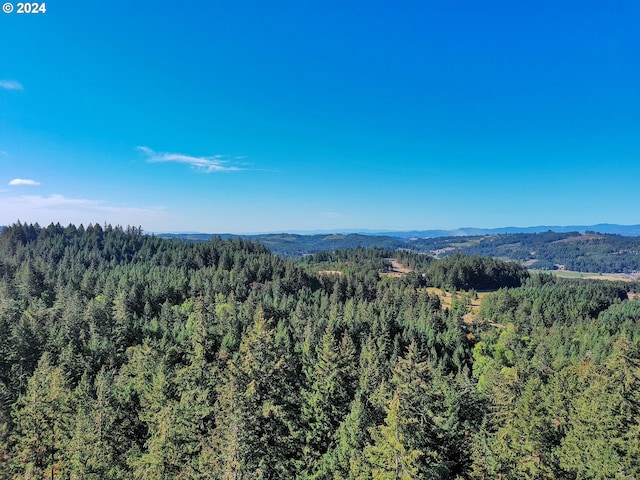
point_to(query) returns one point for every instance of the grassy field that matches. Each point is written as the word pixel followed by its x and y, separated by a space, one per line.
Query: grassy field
pixel 446 299
pixel 329 272
pixel 589 275
pixel 466 243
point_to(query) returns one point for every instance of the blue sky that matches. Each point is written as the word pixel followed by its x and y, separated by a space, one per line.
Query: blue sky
pixel 238 116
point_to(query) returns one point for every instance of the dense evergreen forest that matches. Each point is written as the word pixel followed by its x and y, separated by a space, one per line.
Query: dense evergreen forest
pixel 124 355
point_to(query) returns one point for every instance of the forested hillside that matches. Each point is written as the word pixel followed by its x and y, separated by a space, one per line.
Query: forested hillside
pixel 128 356
pixel 588 252
pixel 295 245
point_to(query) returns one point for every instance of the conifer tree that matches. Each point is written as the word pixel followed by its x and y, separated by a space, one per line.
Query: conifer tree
pixel 42 418
pixel 5 428
pixel 389 457
pixel 91 453
pixel 525 441
pixel 256 413
pixel 326 400
pixel 603 438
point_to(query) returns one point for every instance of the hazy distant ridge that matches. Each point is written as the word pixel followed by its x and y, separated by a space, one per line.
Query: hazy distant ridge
pixel 626 230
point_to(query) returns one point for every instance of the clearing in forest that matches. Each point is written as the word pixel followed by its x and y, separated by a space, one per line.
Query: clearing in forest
pixel 397 268
pixel 613 277
pixel 329 272
pixel 447 299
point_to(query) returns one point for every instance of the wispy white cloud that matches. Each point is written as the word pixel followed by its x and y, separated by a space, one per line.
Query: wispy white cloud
pixel 216 163
pixel 331 214
pixel 10 85
pixel 58 208
pixel 24 182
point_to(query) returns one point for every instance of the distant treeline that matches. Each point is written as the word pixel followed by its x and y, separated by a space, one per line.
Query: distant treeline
pixel 589 252
pixel 456 272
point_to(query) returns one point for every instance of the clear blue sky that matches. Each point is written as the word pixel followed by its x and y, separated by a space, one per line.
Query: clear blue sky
pixel 238 116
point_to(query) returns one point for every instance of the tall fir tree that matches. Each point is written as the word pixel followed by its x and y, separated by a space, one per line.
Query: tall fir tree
pixel 256 414
pixel 42 418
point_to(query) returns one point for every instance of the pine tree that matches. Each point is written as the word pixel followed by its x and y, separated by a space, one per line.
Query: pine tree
pixel 5 428
pixel 603 438
pixel 326 400
pixel 256 411
pixel 91 452
pixel 388 457
pixel 526 439
pixel 42 418
pixel 346 459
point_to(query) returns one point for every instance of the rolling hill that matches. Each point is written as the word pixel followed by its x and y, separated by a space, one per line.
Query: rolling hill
pixel 582 252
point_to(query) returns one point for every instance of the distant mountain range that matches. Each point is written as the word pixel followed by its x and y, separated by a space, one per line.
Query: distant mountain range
pixel 625 230
pixel 610 228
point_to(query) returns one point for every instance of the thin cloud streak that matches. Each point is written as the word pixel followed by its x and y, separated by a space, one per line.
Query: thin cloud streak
pixel 204 164
pixel 58 208
pixel 24 182
pixel 10 85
